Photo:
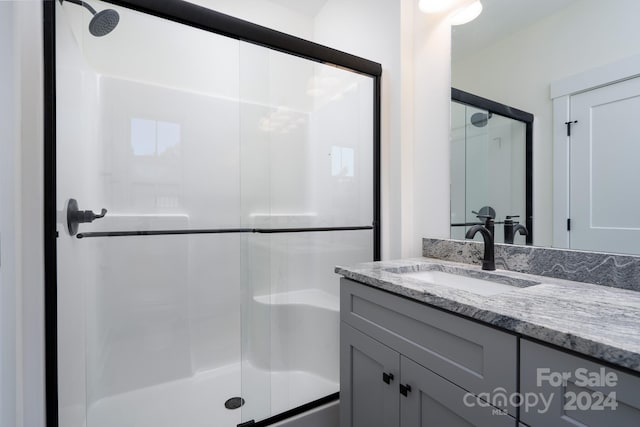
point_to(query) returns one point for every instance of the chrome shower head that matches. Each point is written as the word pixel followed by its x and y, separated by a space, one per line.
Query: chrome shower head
pixel 103 22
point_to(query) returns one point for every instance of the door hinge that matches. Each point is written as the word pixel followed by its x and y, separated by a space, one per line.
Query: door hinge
pixel 568 224
pixel 569 126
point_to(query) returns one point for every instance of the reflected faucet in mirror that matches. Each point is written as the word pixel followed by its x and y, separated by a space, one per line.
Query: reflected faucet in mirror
pixel 511 228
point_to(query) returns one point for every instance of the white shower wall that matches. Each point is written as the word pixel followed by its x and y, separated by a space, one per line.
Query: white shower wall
pixel 206 132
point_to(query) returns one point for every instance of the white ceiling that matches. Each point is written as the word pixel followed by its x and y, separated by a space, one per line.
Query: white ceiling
pixel 498 19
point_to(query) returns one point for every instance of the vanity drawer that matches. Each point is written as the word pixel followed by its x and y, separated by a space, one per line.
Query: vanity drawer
pixel 577 391
pixel 477 358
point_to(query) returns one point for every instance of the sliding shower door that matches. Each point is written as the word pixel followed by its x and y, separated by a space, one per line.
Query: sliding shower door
pixel 306 154
pixel 226 181
pixel 149 321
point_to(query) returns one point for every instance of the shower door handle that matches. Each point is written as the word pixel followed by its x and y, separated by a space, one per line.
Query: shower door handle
pixel 76 216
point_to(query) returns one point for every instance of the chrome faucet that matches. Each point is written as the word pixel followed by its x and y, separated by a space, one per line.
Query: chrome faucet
pixel 488 261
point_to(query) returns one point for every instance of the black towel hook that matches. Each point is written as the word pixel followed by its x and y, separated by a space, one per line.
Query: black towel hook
pixel 76 216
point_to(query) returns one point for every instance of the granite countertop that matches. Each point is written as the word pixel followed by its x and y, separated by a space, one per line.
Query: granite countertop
pixel 598 321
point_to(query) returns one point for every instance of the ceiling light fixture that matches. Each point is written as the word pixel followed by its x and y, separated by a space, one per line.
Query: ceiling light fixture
pixel 466 13
pixel 459 11
pixel 436 6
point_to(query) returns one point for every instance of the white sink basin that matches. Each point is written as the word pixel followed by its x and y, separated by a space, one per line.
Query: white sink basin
pixel 465 283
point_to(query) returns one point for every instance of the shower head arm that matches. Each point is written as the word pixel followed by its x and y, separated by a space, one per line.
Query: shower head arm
pixel 81 3
pixel 103 22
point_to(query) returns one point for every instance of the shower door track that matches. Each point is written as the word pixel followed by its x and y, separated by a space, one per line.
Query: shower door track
pixel 208 20
pixel 217 231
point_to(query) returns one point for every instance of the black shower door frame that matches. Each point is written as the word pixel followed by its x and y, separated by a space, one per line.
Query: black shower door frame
pixel 214 22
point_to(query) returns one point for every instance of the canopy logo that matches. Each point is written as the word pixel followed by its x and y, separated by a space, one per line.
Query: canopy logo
pixel 574 390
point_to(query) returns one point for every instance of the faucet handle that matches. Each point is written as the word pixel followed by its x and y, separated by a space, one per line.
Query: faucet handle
pixel 485 217
pixel 488 221
pixel 509 222
pixel 485 211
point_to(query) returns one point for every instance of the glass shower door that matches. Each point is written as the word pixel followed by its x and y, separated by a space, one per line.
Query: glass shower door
pixel 149 308
pixel 306 149
pixel 234 179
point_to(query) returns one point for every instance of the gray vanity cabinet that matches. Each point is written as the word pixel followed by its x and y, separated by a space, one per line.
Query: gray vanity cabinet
pixel 369 395
pixel 406 364
pixel 386 389
pixel 584 399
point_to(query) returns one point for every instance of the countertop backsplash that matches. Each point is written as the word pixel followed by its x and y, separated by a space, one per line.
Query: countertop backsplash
pixel 618 271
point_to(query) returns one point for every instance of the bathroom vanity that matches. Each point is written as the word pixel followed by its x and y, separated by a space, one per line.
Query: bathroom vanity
pixel 420 346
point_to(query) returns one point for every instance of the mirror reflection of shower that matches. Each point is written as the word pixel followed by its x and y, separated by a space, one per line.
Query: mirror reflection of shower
pixel 488 168
pixel 480 120
pixel 103 22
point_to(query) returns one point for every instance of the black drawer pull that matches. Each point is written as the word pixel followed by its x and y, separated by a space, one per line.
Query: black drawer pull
pixel 387 378
pixel 404 389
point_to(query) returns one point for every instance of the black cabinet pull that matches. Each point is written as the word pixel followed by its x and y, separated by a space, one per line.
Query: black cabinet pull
pixel 404 389
pixel 387 378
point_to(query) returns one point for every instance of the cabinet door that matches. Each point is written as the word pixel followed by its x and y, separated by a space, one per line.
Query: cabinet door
pixel 436 402
pixel 369 373
pixel 612 399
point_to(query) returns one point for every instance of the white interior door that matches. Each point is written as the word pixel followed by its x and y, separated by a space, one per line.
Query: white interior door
pixel 604 172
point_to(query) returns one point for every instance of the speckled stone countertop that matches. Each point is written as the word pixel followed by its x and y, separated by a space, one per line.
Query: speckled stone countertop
pixel 598 321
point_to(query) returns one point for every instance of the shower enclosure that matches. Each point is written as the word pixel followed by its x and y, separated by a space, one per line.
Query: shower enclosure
pixel 237 166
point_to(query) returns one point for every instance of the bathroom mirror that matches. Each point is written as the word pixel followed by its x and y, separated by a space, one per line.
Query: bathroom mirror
pixel 533 55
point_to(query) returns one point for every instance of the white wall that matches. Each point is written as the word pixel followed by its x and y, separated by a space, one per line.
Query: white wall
pixel 8 204
pixel 29 21
pixel 431 153
pixel 21 252
pixel 518 70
